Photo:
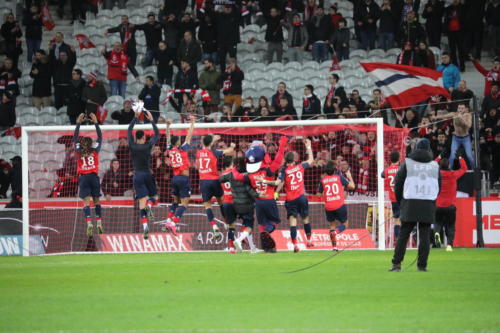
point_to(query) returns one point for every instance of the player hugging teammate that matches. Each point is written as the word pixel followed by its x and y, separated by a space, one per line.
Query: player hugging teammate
pixel 239 202
pixel 260 175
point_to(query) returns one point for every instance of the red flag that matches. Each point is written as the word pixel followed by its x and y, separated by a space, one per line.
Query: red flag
pixel 403 85
pixel 335 64
pixel 47 20
pixel 84 41
pixel 101 115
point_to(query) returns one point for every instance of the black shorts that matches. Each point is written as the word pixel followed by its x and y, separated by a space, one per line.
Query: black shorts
pixel 89 185
pixel 299 206
pixel 231 215
pixel 181 187
pixel 267 211
pixel 210 188
pixel 144 185
pixel 337 215
pixel 395 210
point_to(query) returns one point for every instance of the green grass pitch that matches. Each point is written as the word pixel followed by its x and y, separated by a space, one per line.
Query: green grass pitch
pixel 218 292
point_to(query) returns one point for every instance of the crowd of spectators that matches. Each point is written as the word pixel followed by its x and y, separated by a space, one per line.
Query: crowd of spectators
pixel 179 39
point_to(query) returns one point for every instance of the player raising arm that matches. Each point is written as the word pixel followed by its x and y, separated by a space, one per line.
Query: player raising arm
pixel 291 178
pixel 261 177
pixel 206 162
pixel 144 183
pixel 332 189
pixel 88 171
pixel 179 161
pixel 389 175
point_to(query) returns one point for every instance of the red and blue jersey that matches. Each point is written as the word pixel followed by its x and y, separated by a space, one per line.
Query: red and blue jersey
pixel 179 159
pixel 389 176
pixel 293 178
pixel 266 191
pixel 88 164
pixel 206 161
pixel 332 187
pixel 226 187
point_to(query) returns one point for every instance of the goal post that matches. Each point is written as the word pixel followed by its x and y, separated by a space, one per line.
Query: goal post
pixel 47 152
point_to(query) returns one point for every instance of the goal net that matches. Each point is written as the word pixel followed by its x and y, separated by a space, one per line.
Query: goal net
pixel 53 221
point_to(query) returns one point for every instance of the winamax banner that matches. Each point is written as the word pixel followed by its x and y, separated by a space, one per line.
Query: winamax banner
pixel 62 228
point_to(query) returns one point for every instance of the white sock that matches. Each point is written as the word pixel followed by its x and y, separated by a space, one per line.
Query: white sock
pixel 250 241
pixel 145 226
pixel 243 235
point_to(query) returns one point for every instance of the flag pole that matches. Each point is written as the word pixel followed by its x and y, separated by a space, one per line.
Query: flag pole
pixel 477 179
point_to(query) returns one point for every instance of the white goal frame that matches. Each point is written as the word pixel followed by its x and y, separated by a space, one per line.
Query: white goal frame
pixel 362 121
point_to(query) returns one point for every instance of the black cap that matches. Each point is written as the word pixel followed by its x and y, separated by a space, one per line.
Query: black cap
pixel 16 158
pixel 423 144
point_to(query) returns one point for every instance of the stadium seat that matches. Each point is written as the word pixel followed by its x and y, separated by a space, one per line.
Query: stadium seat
pixel 251 92
pixel 35 168
pixel 266 91
pixel 247 84
pixel 30 120
pixel 339 73
pixel 376 53
pixel 310 65
pixel 151 70
pixel 26 91
pixel 359 54
pixel 62 111
pixel 50 110
pixel 393 52
pixel 115 99
pixel 43 185
pixel 29 111
pixel 325 65
pixel 52 165
pixel 276 66
pixel 351 82
pixel 260 46
pixel 107 13
pixel 7 141
pixel 175 116
pixel 273 74
pixel 46 119
pixel 252 28
pixel 112 106
pixel 246 63
pixel 25 81
pixel 321 92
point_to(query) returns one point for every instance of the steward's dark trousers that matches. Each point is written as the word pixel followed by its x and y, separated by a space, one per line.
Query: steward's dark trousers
pixel 423 246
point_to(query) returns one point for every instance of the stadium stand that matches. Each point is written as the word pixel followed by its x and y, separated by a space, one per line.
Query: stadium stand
pixel 260 78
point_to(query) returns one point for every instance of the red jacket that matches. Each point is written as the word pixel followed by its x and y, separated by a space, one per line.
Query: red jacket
pixel 117 65
pixel 448 195
pixel 489 76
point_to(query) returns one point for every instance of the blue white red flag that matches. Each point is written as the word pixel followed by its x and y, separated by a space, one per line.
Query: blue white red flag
pixel 404 86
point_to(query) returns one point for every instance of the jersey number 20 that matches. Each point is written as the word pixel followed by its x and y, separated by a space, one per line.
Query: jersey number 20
pixel 332 189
